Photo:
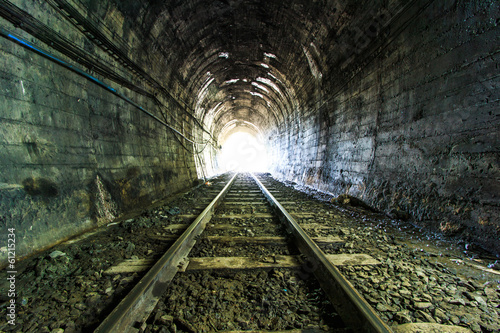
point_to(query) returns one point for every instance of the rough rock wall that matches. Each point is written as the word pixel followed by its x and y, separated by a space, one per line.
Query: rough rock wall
pixel 416 130
pixel 74 155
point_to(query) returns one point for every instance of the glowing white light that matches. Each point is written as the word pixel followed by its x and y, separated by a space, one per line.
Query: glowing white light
pixel 224 55
pixel 206 84
pixel 243 152
pixel 269 83
pixel 256 94
pixel 261 87
pixel 271 75
pixel 214 109
pixel 203 91
pixel 231 81
pixel 264 65
pixel 270 55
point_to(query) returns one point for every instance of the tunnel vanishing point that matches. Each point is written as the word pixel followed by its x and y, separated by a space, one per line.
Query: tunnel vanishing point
pixel 109 106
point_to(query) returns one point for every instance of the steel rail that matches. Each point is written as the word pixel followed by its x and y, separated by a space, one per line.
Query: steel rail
pixel 136 307
pixel 351 306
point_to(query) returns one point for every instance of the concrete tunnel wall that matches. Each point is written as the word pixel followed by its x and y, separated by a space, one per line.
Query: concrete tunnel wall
pixel 395 103
pixel 412 127
pixel 74 155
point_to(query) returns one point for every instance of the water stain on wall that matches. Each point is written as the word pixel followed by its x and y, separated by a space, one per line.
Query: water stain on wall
pixel 40 187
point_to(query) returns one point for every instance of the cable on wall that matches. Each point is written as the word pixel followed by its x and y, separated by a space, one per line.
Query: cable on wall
pixel 28 23
pixel 26 44
pixel 95 34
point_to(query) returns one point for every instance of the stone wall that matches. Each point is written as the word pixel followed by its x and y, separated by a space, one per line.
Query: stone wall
pixel 414 129
pixel 74 155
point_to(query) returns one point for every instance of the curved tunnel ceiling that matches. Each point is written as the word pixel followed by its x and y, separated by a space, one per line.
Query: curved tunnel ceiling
pixel 245 61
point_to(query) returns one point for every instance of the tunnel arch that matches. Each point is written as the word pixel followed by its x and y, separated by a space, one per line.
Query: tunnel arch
pixel 392 102
pixel 250 68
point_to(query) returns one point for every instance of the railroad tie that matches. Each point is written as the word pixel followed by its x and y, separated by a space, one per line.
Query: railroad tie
pixel 204 263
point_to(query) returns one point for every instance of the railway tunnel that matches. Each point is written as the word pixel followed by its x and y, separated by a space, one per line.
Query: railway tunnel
pixel 110 106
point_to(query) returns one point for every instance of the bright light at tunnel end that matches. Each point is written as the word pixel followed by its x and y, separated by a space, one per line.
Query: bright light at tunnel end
pixel 243 152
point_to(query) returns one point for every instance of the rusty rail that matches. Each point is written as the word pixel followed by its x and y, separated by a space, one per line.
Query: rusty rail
pixel 132 312
pixel 351 306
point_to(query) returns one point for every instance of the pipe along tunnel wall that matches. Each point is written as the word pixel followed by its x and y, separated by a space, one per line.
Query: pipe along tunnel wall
pixel 395 105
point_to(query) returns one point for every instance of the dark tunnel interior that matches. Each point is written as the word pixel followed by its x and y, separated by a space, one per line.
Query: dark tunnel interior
pixel 109 106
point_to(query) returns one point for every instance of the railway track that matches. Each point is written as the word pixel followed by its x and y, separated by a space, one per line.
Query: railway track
pixel 74 285
pixel 245 263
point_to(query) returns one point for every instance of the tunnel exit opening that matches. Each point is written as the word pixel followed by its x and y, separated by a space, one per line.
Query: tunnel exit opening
pixel 243 152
